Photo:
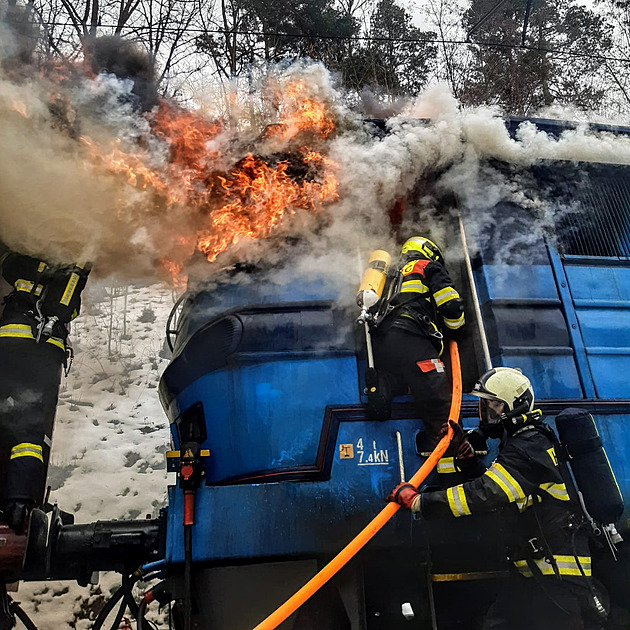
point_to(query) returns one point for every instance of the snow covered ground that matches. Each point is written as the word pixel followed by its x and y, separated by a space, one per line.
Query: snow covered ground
pixel 110 435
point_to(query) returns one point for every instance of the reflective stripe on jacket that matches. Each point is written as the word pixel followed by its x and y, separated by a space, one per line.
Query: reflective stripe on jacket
pixel 526 474
pixel 57 290
pixel 427 288
pixel 25 331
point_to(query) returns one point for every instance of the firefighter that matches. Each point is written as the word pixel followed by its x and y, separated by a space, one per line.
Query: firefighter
pixel 409 341
pixel 34 347
pixel 550 585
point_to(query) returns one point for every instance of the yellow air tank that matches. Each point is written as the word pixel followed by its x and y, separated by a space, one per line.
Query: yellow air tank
pixel 373 281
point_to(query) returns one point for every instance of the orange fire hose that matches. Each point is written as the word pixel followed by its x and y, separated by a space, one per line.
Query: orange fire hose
pixel 355 545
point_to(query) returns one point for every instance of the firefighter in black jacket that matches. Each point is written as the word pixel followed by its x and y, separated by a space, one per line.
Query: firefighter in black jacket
pixel 408 343
pixel 33 348
pixel 550 559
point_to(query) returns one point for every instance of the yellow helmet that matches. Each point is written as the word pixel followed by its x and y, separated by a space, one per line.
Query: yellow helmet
pixel 421 247
pixel 507 385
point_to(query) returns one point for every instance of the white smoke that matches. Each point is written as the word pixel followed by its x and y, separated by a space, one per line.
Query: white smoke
pixel 58 203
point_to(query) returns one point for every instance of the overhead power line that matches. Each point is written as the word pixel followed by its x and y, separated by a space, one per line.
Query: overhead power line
pixel 358 38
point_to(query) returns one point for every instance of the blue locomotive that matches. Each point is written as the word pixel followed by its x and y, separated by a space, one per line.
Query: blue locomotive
pixel 279 466
pixel 268 380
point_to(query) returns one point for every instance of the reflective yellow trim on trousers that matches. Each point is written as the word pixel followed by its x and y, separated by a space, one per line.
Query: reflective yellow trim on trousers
pixel 567 565
pixel 69 290
pixel 26 449
pixel 445 295
pixel 446 465
pixel 454 324
pixel 27 286
pixel 556 490
pixel 55 341
pixel 505 481
pixel 24 331
pixel 457 501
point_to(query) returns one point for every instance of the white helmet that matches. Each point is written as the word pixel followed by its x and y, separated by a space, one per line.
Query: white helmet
pixel 508 386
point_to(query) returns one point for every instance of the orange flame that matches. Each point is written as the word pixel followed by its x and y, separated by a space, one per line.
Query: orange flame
pixel 307 114
pixel 251 200
pixel 187 134
pixel 256 199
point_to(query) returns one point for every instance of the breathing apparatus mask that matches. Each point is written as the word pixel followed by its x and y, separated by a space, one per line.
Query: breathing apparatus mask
pixel 506 401
pixel 490 417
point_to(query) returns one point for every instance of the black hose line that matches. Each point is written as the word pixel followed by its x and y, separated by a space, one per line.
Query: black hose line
pixel 124 593
pixel 133 606
pixel 107 609
pixel 140 617
pixel 17 610
pixel 120 614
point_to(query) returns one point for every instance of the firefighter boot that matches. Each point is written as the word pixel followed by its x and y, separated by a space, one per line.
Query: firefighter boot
pixel 378 394
pixel 15 515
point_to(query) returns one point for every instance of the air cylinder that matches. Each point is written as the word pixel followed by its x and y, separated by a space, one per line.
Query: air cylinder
pixel 590 466
pixel 374 278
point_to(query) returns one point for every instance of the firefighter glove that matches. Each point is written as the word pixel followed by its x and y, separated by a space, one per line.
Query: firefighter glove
pixel 459 444
pixel 15 514
pixel 406 495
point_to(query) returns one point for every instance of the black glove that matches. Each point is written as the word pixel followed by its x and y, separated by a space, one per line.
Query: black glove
pixel 459 444
pixel 15 514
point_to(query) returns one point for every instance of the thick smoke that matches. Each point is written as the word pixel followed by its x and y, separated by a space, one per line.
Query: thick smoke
pixel 62 201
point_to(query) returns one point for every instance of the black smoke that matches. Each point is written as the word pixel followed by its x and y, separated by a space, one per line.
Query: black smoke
pixel 126 60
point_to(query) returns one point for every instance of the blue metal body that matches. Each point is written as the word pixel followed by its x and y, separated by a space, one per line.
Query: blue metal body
pixel 278 418
pixel 296 469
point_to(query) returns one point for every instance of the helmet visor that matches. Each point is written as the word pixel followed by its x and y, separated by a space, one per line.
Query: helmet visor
pixel 490 411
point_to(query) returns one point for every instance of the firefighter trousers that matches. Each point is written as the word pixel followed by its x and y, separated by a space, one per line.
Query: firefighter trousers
pixel 541 604
pixel 407 361
pixel 30 374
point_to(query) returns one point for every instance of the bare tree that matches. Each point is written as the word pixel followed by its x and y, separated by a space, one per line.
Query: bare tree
pixel 445 16
pixel 168 30
pixel 227 39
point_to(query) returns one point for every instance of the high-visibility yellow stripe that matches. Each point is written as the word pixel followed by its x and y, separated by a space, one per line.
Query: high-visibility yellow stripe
pixel 446 465
pixel 567 565
pixel 556 490
pixel 27 285
pixel 454 324
pixel 457 501
pixel 69 290
pixel 41 267
pixel 55 341
pixel 21 331
pixel 414 286
pixel 445 295
pixel 505 481
pixel 26 449
pixel 24 331
pixel 462 498
pixel 523 504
